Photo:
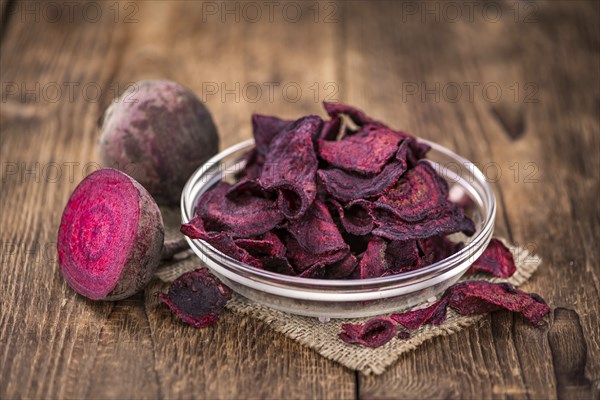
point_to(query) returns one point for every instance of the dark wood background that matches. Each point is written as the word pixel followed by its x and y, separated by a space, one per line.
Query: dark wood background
pixel 511 85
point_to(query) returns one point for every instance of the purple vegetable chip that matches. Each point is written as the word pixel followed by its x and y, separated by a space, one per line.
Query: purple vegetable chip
pixel 351 333
pixel 265 128
pixel 437 248
pixel 341 269
pixel 355 216
pixel 254 163
pixel 346 186
pixel 331 129
pixel 290 167
pixel 403 335
pixel 418 194
pixel 477 297
pixel 317 271
pixel 435 314
pixel 268 245
pixel 197 297
pixel 338 270
pixel 222 241
pixel 245 186
pixel 496 260
pixel 357 116
pixel 401 256
pixel 245 215
pixel 418 149
pixel 374 333
pixel 450 220
pixel 279 265
pixel 373 263
pixel 383 258
pixel 365 152
pixel 316 232
pixel 302 259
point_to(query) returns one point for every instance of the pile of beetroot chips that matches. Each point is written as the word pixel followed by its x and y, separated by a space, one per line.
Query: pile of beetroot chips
pixel 347 198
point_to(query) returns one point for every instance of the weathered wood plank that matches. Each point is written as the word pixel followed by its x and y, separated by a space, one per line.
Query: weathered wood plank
pixel 52 342
pixel 55 344
pixel 543 171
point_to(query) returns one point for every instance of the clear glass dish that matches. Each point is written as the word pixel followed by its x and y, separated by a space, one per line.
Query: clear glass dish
pixel 347 298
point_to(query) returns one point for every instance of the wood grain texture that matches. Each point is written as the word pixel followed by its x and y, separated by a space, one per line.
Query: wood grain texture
pixel 541 155
pixel 377 55
pixel 54 344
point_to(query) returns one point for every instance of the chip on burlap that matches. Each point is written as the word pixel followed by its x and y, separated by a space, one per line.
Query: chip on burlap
pixel 323 337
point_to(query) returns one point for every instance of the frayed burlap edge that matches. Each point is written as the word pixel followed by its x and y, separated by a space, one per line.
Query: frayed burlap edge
pixel 323 337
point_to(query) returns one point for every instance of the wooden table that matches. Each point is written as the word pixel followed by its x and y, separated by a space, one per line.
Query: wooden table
pixel 513 86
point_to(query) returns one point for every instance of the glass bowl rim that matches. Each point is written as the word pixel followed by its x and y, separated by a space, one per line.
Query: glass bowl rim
pixel 471 247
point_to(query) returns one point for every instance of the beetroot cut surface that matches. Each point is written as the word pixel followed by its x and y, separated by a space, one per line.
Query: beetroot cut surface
pixel 197 297
pixel 110 237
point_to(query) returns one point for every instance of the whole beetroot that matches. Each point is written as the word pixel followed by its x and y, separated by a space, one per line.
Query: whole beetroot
pixel 110 237
pixel 161 133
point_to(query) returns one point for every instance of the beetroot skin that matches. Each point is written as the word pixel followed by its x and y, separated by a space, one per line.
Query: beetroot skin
pixel 159 132
pixel 110 237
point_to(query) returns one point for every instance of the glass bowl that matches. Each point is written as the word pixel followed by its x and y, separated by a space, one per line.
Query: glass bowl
pixel 348 298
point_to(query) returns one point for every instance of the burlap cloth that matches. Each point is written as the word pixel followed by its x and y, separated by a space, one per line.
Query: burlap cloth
pixel 323 336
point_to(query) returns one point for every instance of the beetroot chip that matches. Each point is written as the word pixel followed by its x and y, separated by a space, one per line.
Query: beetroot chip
pixel 346 186
pixel 316 232
pixel 365 152
pixel 402 256
pixel 337 270
pixel 403 335
pixel 435 314
pixel 373 263
pixel 357 116
pixel 269 245
pixel 244 216
pixel 331 129
pixel 254 163
pixel 477 297
pixel 341 269
pixel 416 150
pixel 374 333
pixel 450 220
pixel 221 241
pixel 290 167
pixel 279 265
pixel 355 217
pixel 436 248
pixel 265 128
pixel 351 333
pixel 195 229
pixel 418 194
pixel 496 260
pixel 245 186
pixel 382 258
pixel 197 297
pixel 302 259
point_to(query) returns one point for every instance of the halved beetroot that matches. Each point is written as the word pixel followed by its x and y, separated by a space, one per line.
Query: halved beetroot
pixel 110 237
